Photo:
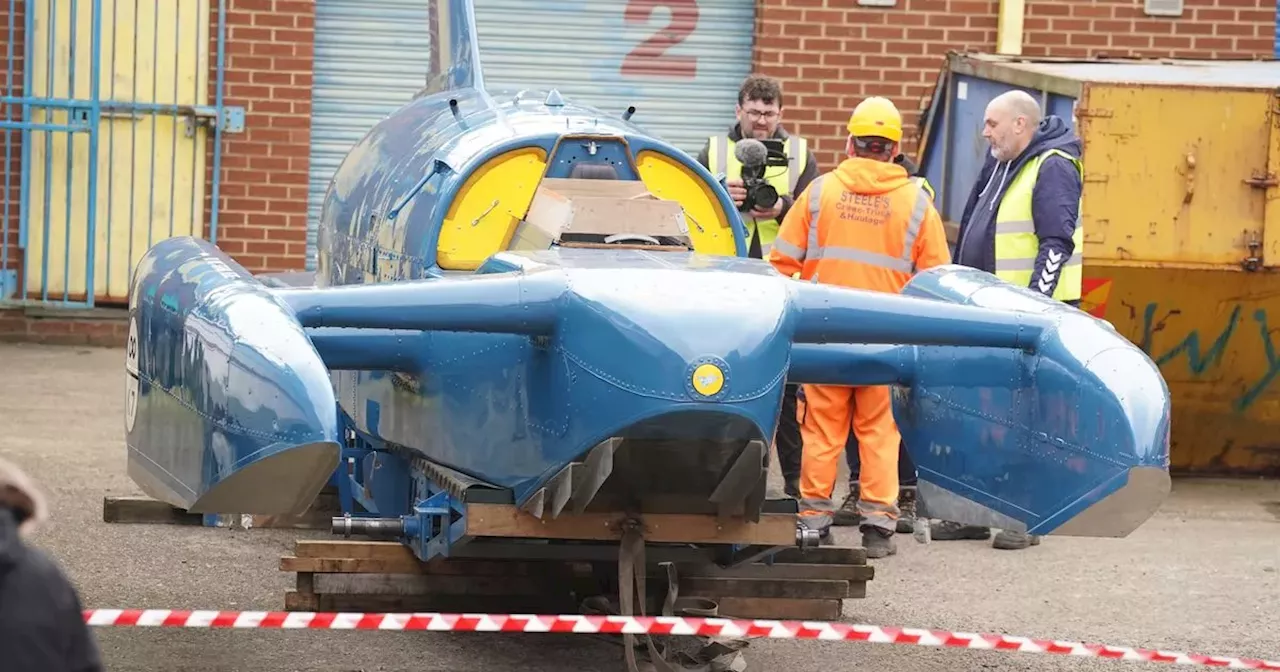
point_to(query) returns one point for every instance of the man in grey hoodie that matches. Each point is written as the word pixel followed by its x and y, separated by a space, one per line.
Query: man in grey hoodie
pixel 1021 138
pixel 42 626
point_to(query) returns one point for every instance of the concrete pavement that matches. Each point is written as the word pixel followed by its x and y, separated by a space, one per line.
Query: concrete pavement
pixel 1203 575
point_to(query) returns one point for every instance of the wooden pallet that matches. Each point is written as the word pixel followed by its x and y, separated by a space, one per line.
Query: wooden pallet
pixel 342 575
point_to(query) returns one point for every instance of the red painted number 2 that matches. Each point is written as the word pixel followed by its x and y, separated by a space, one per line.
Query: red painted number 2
pixel 650 57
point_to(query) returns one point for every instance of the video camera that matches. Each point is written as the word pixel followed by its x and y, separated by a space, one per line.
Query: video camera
pixel 755 156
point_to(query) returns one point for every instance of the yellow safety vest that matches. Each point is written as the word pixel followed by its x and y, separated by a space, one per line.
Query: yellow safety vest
pixel 1016 243
pixel 720 158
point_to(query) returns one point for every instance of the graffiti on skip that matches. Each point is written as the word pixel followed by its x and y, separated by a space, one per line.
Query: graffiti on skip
pixel 1201 355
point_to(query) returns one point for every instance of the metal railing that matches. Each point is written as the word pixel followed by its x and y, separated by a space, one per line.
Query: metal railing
pixel 74 235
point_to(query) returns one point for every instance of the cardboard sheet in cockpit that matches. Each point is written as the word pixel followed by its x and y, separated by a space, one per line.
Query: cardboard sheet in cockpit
pixel 598 208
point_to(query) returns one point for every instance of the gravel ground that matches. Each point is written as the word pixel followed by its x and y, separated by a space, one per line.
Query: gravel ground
pixel 1203 575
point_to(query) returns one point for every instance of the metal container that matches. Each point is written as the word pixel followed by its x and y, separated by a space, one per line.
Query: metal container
pixel 1181 209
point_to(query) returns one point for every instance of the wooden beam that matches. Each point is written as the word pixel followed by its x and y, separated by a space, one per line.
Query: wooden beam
pixel 344 548
pixel 505 520
pixel 807 571
pixel 408 564
pixel 145 511
pixel 135 510
pixel 346 575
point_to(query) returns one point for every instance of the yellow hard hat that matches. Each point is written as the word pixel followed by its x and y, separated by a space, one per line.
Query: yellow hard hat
pixel 878 117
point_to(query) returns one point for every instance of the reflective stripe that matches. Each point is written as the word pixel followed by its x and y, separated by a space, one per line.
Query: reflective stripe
pixel 823 504
pixel 918 211
pixel 722 153
pixel 815 197
pixel 788 249
pixel 1029 264
pixel 884 516
pixel 862 256
pixel 815 208
pixel 924 184
pixel 904 264
pixel 1019 226
pixel 793 163
pixel 879 515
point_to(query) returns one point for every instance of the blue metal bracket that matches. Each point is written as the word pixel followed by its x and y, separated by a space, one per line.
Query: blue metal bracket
pixel 371 482
pixel 232 120
pixel 376 483
pixel 432 530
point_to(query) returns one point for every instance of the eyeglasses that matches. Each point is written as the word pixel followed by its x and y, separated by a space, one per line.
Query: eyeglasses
pixel 757 114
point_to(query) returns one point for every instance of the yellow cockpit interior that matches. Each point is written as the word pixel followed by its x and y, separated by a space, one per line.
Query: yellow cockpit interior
pixel 509 204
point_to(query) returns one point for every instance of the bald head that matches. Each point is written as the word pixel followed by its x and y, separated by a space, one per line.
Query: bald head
pixel 1011 121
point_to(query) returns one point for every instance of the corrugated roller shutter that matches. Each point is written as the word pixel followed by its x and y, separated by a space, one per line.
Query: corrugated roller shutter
pixel 590 51
pixel 371 56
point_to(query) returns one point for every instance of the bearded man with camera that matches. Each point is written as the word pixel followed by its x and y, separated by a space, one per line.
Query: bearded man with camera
pixel 764 168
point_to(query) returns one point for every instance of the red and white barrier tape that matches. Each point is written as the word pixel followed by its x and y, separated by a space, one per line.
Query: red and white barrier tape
pixel 652 625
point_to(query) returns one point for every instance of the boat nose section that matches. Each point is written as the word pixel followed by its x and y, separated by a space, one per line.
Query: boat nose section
pixel 679 335
pixel 1141 394
pixel 1137 390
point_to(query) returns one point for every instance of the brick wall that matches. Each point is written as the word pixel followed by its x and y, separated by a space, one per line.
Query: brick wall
pixel 10 140
pixel 103 328
pixel 262 220
pixel 835 57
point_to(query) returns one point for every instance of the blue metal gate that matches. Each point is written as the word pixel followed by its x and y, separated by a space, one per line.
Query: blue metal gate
pixel 89 162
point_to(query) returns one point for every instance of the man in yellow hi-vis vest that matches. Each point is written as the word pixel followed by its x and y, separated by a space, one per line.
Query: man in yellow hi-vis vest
pixel 759 116
pixel 1022 223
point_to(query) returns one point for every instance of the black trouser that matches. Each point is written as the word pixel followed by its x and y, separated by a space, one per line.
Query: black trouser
pixel 788 436
pixel 906 467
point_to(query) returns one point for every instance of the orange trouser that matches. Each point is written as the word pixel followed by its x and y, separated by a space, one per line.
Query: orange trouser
pixel 825 420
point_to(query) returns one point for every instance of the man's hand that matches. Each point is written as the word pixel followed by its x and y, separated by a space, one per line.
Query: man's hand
pixel 768 213
pixel 736 191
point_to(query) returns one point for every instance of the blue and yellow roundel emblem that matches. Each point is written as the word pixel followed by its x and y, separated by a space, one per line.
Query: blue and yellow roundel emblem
pixel 708 379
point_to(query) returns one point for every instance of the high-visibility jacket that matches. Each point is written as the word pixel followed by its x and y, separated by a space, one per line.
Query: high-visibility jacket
pixel 720 158
pixel 924 184
pixel 912 169
pixel 1017 244
pixel 865 225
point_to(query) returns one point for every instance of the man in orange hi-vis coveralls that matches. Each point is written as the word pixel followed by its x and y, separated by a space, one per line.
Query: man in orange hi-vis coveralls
pixel 865 225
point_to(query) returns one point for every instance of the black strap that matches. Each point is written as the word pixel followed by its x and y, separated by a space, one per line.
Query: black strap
pixel 717 654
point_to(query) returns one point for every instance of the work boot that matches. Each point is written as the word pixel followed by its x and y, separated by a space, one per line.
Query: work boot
pixel 878 542
pixel 907 509
pixel 946 530
pixel 847 515
pixel 1008 540
pixel 792 488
